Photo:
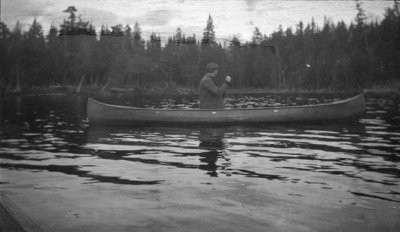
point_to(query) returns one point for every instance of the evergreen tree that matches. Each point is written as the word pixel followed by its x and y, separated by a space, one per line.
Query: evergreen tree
pixel 138 43
pixel 128 38
pixel 16 48
pixel 209 33
pixel 33 54
pixel 154 46
pixel 257 37
pixel 360 18
pixel 5 59
pixel 236 61
pixel 235 42
pixel 54 57
pixel 178 37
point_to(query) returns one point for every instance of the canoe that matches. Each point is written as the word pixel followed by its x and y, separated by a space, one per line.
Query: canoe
pixel 102 113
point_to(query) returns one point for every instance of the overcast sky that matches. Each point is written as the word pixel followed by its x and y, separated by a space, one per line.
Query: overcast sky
pixel 231 17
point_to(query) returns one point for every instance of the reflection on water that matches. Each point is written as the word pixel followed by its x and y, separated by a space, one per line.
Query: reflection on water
pixel 212 137
pixel 361 159
pixel 213 140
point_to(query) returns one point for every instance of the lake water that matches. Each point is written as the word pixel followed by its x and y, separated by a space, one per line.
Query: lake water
pixel 70 175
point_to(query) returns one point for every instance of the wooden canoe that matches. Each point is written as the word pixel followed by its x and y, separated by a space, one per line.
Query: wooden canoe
pixel 103 113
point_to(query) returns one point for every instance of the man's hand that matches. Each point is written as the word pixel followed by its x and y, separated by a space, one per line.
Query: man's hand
pixel 228 79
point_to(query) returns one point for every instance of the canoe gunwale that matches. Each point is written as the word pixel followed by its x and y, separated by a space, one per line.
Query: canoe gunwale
pixel 99 112
pixel 230 109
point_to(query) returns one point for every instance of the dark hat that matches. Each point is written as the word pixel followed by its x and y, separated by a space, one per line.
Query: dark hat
pixel 211 67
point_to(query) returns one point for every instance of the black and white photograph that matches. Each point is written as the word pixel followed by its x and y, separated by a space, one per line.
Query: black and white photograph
pixel 199 115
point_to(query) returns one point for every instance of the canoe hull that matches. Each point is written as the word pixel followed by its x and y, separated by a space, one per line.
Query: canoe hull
pixel 99 112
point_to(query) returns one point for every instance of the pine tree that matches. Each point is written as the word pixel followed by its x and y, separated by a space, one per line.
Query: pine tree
pixel 71 10
pixel 154 47
pixel 257 37
pixel 5 59
pixel 16 47
pixel 138 43
pixel 235 42
pixel 209 34
pixel 33 54
pixel 128 39
pixel 178 37
pixel 54 56
pixel 360 18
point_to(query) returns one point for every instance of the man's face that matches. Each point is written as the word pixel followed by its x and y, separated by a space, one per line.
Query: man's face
pixel 215 73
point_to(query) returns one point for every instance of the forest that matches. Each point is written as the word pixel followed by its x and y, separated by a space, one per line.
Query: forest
pixel 335 56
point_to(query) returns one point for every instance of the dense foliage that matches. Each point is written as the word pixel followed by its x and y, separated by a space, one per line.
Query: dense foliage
pixel 336 56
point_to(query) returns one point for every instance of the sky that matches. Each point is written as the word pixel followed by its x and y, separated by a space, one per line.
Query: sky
pixel 231 17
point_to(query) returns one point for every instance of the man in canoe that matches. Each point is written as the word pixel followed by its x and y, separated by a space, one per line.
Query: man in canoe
pixel 212 96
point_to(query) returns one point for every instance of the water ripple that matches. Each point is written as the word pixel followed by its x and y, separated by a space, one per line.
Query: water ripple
pixel 361 159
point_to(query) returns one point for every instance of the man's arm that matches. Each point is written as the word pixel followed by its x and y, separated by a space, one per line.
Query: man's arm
pixel 210 86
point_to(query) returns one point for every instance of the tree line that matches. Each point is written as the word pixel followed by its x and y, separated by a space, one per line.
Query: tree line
pixel 336 56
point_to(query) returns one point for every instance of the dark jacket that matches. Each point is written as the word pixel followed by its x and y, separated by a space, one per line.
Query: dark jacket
pixel 211 96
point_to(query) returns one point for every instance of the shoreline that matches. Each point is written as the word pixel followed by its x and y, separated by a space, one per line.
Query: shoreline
pixel 62 90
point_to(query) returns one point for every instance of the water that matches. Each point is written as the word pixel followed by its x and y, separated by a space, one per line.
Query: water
pixel 334 171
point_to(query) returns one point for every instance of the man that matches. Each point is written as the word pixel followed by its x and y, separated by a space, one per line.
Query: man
pixel 212 96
